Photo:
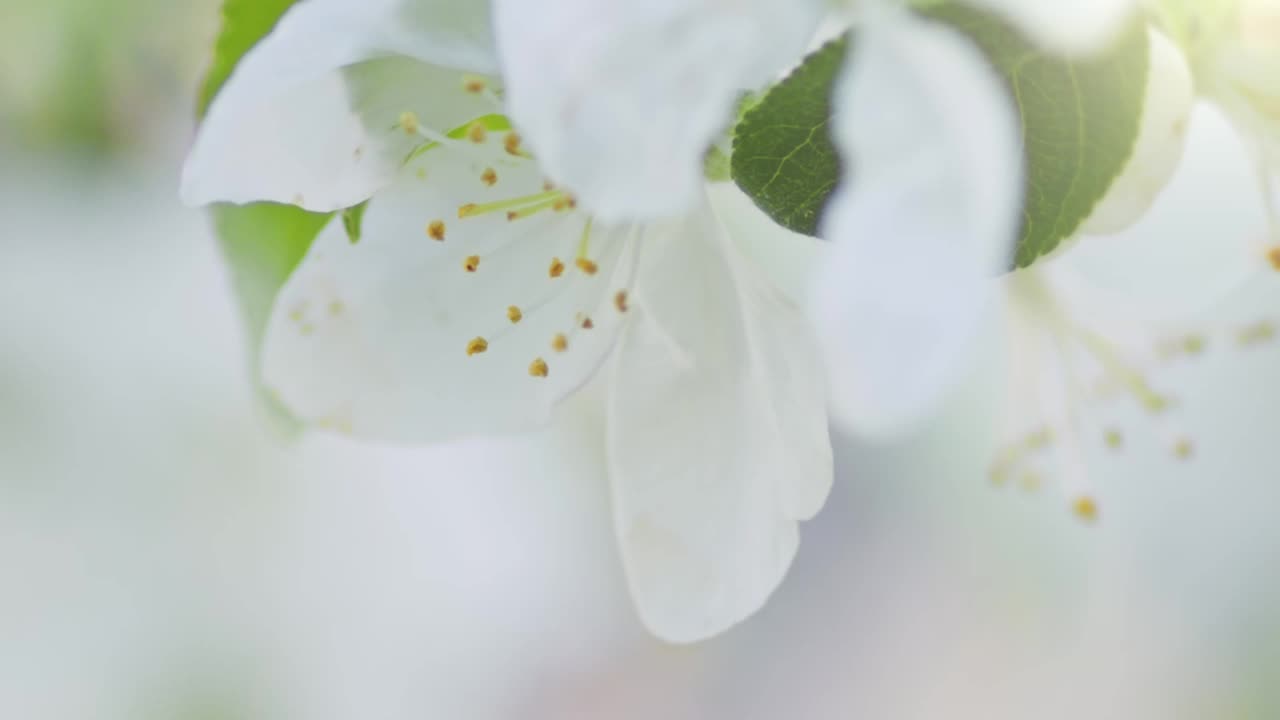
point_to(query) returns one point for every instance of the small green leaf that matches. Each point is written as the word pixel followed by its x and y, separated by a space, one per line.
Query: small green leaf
pixel 351 219
pixel 783 157
pixel 261 243
pixel 1080 121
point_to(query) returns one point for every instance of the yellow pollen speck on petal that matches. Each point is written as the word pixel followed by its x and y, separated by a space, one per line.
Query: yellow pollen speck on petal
pixel 586 265
pixel 473 84
pixel 471 263
pixel 489 177
pixel 560 343
pixel 620 301
pixel 512 144
pixel 1114 439
pixel 556 269
pixel 1085 508
pixel 409 123
pixel 477 346
pixel 538 368
pixel 1183 449
pixel 1273 257
pixel 435 230
pixel 476 133
pixel 514 314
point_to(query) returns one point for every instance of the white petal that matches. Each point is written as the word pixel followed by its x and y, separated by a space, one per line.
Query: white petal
pixel 1073 27
pixel 621 98
pixel 309 115
pixel 717 435
pixel 929 216
pixel 1161 138
pixel 371 338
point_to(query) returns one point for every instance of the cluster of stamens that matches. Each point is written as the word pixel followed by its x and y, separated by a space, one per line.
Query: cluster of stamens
pixel 1019 461
pixel 551 199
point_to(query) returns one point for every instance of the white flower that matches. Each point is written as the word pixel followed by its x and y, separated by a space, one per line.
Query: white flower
pixel 479 295
pixel 1234 49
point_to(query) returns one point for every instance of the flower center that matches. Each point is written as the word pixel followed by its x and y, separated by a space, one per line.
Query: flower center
pixel 516 227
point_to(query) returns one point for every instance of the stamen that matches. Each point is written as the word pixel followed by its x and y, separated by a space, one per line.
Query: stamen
pixel 1130 379
pixel 476 133
pixel 1273 257
pixel 471 264
pixel 435 230
pixel 587 266
pixel 559 343
pixel 511 143
pixel 473 209
pixel 1085 508
pixel 1114 439
pixel 477 346
pixel 409 123
pixel 522 213
pixel 1183 449
pixel 514 314
pixel 474 84
pixel 538 368
pixel 1256 334
pixel 336 308
pixel 489 177
pixel 556 269
pixel 587 324
pixel 620 300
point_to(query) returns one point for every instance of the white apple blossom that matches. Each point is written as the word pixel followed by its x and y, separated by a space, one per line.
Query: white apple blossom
pixel 480 294
pixel 1234 49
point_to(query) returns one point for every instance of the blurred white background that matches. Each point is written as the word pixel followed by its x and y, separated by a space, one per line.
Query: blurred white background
pixel 163 555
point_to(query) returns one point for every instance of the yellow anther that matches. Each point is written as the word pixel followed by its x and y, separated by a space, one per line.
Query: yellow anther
pixel 1039 439
pixel 336 308
pixel 1030 481
pixel 1257 333
pixel 1085 508
pixel 587 324
pixel 435 230
pixel 1273 257
pixel 620 301
pixel 512 144
pixel 559 343
pixel 999 477
pixel 1193 344
pixel 556 269
pixel 298 313
pixel 307 329
pixel 1114 439
pixel 467 210
pixel 471 263
pixel 476 133
pixel 514 314
pixel 473 84
pixel 409 123
pixel 1183 449
pixel 538 368
pixel 477 346
pixel 489 177
pixel 548 186
pixel 561 205
pixel 586 265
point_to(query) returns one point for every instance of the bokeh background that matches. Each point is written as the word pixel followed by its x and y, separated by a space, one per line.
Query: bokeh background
pixel 164 555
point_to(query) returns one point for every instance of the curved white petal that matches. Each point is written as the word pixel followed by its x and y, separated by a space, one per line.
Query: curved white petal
pixel 927 218
pixel 1161 138
pixel 1073 27
pixel 717 434
pixel 621 98
pixel 309 116
pixel 372 338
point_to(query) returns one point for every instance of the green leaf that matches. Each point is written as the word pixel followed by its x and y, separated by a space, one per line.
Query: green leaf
pixel 783 157
pixel 1080 121
pixel 261 243
pixel 352 217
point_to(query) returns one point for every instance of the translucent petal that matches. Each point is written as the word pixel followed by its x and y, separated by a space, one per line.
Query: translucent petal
pixel 622 98
pixel 717 434
pixel 929 216
pixel 1074 27
pixel 309 116
pixel 378 338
